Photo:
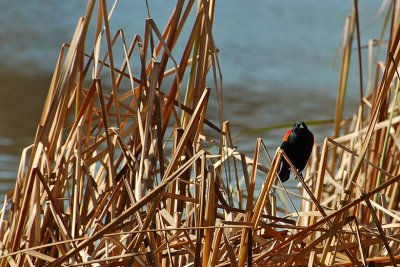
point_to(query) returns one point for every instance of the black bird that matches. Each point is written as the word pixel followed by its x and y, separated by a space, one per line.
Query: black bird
pixel 297 144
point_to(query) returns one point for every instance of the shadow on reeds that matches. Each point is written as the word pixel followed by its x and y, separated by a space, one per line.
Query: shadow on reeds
pixel 128 169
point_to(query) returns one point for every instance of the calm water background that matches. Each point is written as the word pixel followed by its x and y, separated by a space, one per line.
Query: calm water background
pixel 279 59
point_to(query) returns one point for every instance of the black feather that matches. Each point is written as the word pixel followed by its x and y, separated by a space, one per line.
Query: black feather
pixel 297 145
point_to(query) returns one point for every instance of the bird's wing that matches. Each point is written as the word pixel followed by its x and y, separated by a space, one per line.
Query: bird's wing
pixel 286 136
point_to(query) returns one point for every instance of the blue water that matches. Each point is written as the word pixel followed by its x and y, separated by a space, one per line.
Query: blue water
pixel 279 59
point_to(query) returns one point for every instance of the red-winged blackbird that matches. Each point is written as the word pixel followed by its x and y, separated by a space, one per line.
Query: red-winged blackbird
pixel 297 144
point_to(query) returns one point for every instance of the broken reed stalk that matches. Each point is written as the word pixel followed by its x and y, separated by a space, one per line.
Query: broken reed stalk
pixel 123 171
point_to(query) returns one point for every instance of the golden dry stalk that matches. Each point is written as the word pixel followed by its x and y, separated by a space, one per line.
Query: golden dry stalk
pixel 125 171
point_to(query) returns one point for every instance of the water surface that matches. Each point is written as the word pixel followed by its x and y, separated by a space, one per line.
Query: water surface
pixel 277 59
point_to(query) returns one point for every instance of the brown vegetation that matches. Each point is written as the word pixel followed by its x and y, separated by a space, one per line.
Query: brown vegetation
pixel 127 168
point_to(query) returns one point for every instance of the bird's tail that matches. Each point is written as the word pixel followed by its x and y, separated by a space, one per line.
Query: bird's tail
pixel 284 172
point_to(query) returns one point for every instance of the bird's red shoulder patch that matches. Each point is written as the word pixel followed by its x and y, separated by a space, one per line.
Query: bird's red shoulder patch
pixel 286 136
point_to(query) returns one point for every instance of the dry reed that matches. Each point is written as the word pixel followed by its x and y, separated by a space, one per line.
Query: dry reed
pixel 127 168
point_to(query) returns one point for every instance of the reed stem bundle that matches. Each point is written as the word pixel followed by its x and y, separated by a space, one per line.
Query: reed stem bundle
pixel 128 169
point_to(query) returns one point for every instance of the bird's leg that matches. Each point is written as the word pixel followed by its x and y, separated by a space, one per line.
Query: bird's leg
pixel 300 173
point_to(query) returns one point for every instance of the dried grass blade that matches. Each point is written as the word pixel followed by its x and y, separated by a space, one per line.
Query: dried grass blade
pixel 249 206
pixel 304 232
pixel 379 227
pixel 23 212
pixel 134 208
pixel 103 7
